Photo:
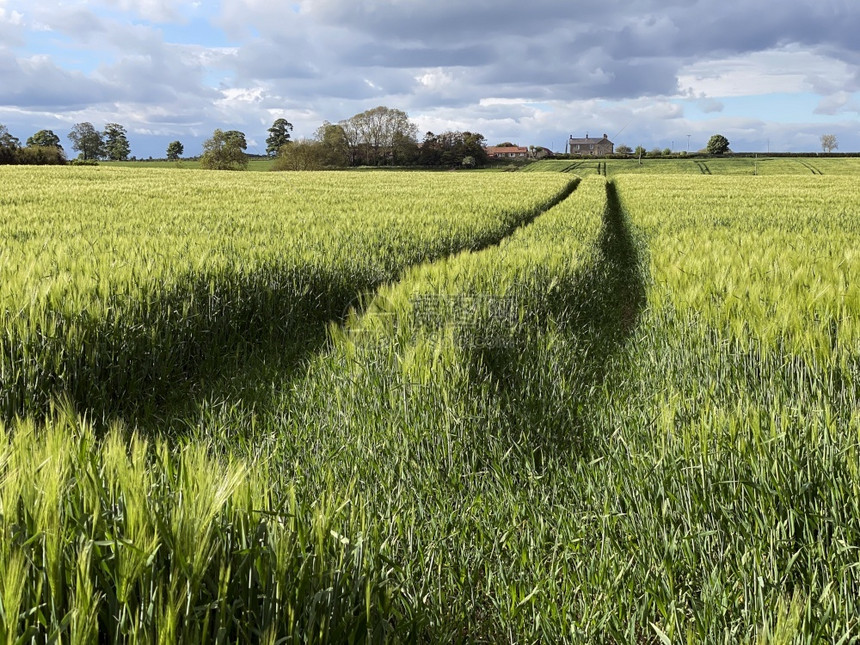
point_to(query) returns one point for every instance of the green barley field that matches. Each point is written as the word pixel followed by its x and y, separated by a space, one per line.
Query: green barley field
pixel 583 405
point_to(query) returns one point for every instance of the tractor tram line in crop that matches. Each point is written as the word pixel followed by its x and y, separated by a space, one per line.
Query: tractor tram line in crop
pixel 249 378
pixel 258 367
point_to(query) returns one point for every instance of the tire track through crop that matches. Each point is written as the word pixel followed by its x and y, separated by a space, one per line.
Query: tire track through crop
pixel 810 167
pixel 359 412
pixel 592 311
pixel 597 313
pixel 259 367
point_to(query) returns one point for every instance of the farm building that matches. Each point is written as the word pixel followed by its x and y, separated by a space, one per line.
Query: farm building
pixel 590 146
pixel 507 152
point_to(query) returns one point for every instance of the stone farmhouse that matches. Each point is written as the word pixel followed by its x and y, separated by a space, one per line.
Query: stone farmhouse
pixel 590 146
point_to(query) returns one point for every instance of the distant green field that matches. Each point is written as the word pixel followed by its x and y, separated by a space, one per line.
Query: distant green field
pixel 701 166
pixel 612 167
pixel 253 164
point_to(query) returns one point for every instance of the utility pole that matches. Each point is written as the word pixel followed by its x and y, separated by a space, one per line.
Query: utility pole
pixel 688 144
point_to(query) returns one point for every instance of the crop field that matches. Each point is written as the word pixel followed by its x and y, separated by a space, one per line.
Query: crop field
pixel 431 407
pixel 254 164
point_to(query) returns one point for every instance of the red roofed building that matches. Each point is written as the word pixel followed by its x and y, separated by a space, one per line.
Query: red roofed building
pixel 507 152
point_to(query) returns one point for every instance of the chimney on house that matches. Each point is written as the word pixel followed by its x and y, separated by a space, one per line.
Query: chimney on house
pixel 604 135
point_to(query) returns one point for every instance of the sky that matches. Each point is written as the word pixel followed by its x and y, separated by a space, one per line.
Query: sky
pixel 769 75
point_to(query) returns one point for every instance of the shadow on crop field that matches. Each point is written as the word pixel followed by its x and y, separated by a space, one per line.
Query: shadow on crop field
pixel 147 354
pixel 247 373
pixel 153 358
pixel 543 387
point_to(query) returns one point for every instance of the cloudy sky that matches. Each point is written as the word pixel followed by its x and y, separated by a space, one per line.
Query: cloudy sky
pixel 768 74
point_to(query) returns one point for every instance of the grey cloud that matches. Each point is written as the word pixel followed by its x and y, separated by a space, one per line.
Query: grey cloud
pixel 82 25
pixel 154 79
pixel 454 21
pixel 38 83
pixel 386 55
pixel 175 119
pixel 273 61
pixel 333 58
pixel 545 48
pixel 640 27
pixel 591 76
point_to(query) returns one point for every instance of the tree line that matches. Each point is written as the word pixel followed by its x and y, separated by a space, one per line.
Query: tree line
pixel 44 146
pixel 381 136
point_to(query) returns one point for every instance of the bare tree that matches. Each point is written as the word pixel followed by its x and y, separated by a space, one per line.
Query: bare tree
pixel 829 143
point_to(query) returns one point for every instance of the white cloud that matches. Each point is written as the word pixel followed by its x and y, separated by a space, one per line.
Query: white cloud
pixel 435 80
pixel 11 18
pixel 778 71
pixel 838 103
pixel 11 23
pixel 241 95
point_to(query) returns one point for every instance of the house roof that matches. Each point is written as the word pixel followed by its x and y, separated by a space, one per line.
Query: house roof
pixel 589 140
pixel 503 150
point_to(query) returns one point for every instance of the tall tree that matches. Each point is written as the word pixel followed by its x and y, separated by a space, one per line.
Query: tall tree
pixel 236 138
pixel 45 139
pixel 475 146
pixel 279 135
pixel 87 141
pixel 175 150
pixel 225 151
pixel 718 145
pixel 116 142
pixel 404 149
pixel 829 143
pixel 371 135
pixel 333 144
